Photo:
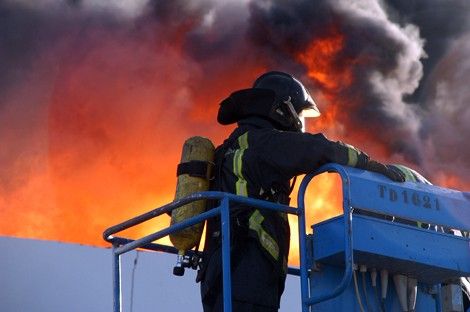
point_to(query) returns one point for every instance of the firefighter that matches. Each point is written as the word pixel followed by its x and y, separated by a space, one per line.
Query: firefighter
pixel 259 159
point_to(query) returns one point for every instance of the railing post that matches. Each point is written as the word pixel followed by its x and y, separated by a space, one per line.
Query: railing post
pixel 303 261
pixel 304 291
pixel 117 294
pixel 226 272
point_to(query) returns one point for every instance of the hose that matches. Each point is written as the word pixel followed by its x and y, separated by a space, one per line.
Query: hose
pixel 356 289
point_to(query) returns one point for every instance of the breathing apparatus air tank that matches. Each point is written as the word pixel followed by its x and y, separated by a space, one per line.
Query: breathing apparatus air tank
pixel 194 175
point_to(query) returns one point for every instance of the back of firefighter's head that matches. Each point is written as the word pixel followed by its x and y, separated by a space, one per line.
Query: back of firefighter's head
pixel 292 100
pixel 276 96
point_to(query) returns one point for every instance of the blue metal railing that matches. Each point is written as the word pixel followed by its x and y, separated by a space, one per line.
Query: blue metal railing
pixel 123 245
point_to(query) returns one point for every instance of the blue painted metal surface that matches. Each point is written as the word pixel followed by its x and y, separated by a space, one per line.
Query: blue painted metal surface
pixel 339 242
pixel 167 231
pixel 304 269
pixel 414 201
pixel 117 293
pixel 430 256
pixel 227 282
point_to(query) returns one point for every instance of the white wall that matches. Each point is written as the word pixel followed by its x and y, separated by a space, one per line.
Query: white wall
pixel 45 276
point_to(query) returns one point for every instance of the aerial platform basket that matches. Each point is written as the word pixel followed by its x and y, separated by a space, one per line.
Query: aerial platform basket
pixel 328 256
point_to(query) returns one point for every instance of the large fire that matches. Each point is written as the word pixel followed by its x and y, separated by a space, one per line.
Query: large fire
pixel 117 111
pixel 113 136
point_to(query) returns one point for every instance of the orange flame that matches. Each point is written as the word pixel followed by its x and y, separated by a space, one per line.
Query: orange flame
pixel 323 200
pixel 450 181
pixel 106 147
pixel 320 57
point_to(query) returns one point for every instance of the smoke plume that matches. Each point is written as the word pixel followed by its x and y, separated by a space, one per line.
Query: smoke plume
pixel 443 94
pixel 96 98
pixel 377 63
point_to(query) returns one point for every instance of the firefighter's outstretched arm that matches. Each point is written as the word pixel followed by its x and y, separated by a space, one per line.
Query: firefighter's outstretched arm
pixel 299 153
pixel 359 159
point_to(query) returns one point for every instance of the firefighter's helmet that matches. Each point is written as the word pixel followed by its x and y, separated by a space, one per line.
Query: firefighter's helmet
pixel 275 95
pixel 287 86
pixel 292 98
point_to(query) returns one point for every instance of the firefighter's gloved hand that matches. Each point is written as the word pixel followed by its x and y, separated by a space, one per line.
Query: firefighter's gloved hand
pixel 393 175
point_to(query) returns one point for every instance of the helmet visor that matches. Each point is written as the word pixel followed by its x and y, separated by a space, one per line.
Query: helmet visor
pixel 309 108
pixel 309 112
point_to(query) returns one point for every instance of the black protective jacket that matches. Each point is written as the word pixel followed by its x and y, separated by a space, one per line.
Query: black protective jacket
pixel 259 161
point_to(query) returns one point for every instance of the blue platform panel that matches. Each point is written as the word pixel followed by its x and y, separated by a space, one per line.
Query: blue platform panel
pixel 429 256
pixel 414 201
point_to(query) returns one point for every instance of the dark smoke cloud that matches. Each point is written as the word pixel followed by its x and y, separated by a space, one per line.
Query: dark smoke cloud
pixel 35 39
pixel 384 58
pixel 440 23
pixel 401 98
pixel 446 129
pixel 443 92
pixel 28 30
pixel 397 51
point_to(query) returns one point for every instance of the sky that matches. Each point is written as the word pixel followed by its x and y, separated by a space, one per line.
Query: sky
pixel 97 98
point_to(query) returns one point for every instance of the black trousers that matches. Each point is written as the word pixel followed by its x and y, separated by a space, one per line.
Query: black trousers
pixel 256 285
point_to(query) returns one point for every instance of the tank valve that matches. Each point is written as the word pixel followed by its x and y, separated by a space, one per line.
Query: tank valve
pixel 182 262
pixel 185 261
